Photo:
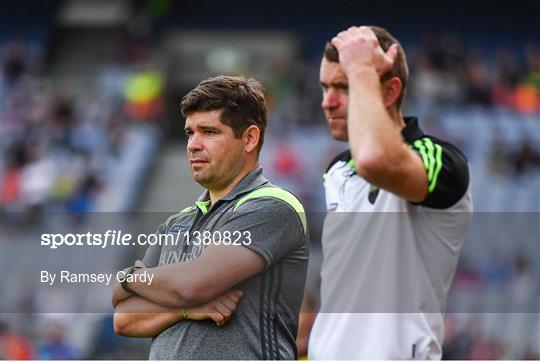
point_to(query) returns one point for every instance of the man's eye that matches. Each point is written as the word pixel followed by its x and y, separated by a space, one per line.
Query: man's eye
pixel 208 132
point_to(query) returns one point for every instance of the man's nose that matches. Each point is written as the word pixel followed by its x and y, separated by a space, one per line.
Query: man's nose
pixel 195 143
pixel 330 99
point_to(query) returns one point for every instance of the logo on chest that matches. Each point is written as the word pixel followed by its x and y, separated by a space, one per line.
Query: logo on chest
pixel 177 228
pixel 180 255
pixel 373 193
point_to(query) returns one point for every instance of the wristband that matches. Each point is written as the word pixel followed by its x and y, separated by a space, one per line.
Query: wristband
pixel 124 283
pixel 185 313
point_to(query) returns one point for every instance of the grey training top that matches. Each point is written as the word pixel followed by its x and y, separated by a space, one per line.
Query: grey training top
pixel 265 322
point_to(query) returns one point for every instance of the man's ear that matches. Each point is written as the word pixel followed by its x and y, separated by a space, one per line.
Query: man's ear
pixel 251 138
pixel 392 90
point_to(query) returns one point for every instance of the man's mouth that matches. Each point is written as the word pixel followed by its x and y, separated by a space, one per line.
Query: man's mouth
pixel 336 118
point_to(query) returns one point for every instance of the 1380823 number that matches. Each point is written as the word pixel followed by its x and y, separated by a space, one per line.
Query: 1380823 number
pixel 208 237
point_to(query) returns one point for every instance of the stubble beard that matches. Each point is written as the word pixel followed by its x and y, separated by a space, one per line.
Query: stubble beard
pixel 339 133
pixel 213 179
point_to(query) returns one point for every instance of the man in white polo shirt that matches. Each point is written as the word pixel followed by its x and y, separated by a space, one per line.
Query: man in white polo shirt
pixel 399 206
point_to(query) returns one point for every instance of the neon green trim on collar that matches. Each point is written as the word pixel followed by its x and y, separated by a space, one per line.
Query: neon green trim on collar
pixel 187 209
pixel 280 194
pixel 203 205
pixel 183 211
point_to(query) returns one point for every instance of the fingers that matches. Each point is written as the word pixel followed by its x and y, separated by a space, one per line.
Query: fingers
pixel 140 263
pixel 355 36
pixel 226 305
pixel 230 304
pixel 359 48
pixel 218 318
pixel 234 295
pixel 344 36
pixel 224 311
pixel 220 310
pixel 231 298
pixel 337 42
pixel 392 53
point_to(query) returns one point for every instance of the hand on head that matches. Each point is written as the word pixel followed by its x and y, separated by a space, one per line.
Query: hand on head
pixel 359 50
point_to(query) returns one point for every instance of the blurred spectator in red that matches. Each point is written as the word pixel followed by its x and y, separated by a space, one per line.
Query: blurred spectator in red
pixel 286 163
pixel 526 99
pixel 143 95
pixel 14 346
pixel 486 349
pixel 506 79
pixel 11 178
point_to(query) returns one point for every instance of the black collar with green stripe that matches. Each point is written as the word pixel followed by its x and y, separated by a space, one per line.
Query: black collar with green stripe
pixel 411 132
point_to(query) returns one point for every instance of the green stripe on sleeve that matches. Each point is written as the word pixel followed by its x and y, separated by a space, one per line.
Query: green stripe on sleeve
pixel 431 155
pixel 280 194
pixel 420 147
pixel 438 167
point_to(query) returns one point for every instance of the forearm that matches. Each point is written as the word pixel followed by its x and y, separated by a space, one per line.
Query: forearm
pixel 139 317
pixel 180 285
pixel 373 135
pixel 119 294
pixel 199 281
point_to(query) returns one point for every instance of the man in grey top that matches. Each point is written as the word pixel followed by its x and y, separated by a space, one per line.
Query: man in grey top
pixel 243 246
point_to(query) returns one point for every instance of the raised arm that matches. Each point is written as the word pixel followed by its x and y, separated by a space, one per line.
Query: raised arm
pixel 382 157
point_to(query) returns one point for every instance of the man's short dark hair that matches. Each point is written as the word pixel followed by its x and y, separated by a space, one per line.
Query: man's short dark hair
pixel 241 99
pixel 400 69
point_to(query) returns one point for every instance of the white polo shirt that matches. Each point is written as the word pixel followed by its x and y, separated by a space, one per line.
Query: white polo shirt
pixel 388 263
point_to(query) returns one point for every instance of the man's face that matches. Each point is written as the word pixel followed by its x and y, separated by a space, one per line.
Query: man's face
pixel 335 98
pixel 215 155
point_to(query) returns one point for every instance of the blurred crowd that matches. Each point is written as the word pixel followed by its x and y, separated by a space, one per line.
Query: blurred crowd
pixel 60 139
pixel 445 71
pixel 71 145
pixel 54 141
pixel 508 298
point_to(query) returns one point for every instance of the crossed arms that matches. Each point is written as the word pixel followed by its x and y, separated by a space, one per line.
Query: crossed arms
pixel 202 285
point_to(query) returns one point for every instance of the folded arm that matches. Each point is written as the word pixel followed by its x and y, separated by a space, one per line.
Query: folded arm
pixel 192 283
pixel 140 317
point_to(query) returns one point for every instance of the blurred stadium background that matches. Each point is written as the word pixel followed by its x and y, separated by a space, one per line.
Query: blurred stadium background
pixel 90 93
